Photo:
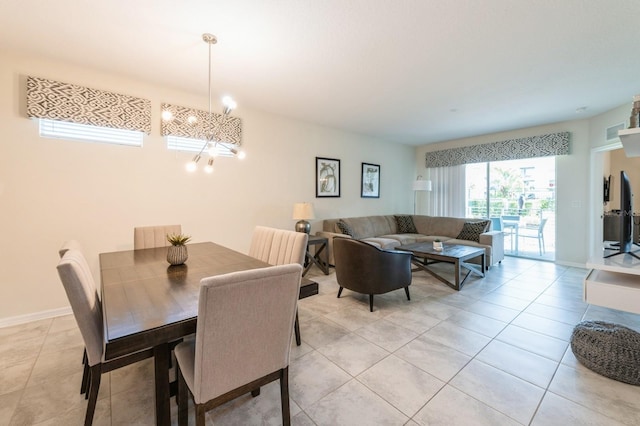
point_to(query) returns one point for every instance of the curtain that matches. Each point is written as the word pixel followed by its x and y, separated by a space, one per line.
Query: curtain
pixel 447 197
pixel 548 145
pixel 78 104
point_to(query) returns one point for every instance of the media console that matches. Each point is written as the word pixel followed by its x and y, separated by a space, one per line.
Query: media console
pixel 614 282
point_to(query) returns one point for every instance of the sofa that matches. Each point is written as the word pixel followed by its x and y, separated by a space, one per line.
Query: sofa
pixel 391 231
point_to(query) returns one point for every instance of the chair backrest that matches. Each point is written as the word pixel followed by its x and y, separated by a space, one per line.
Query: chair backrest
pixel 278 246
pixel 511 217
pixel 543 222
pixel 496 224
pixel 81 291
pixel 153 236
pixel 367 269
pixel 245 327
pixel 70 244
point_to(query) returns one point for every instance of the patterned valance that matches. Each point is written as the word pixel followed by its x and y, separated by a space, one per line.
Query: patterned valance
pixel 512 149
pixel 196 124
pixel 67 102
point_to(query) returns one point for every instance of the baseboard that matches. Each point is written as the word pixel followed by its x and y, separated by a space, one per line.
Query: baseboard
pixel 571 264
pixel 22 319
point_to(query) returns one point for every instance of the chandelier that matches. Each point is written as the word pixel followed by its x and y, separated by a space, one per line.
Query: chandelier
pixel 220 133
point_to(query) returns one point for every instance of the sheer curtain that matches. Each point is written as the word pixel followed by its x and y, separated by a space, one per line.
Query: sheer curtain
pixel 447 197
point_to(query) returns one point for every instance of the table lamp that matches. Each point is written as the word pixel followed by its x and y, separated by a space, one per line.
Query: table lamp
pixel 302 212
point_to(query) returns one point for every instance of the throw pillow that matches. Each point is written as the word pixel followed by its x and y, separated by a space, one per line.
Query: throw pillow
pixel 405 225
pixel 471 230
pixel 345 229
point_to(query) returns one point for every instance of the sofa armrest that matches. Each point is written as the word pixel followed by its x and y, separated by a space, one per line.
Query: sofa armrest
pixel 495 239
pixel 330 236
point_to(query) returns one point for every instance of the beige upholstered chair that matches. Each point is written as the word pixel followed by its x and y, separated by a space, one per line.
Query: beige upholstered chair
pixel 69 244
pixel 367 269
pixel 81 291
pixel 153 236
pixel 75 245
pixel 236 349
pixel 280 247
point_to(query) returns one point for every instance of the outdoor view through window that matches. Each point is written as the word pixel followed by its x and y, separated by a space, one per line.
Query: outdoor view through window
pixel 520 199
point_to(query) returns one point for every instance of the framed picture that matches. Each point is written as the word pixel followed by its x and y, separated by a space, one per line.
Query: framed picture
pixel 370 181
pixel 327 177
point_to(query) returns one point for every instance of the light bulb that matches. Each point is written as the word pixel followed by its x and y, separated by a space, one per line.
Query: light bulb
pixel 192 119
pixel 242 155
pixel 229 104
pixel 209 167
pixel 167 115
pixel 192 166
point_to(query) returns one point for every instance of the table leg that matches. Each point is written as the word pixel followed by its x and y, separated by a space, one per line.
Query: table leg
pixel 161 363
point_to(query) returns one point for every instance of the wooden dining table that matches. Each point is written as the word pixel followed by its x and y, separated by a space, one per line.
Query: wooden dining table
pixel 148 304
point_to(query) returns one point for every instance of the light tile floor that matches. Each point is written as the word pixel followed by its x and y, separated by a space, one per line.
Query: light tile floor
pixel 495 353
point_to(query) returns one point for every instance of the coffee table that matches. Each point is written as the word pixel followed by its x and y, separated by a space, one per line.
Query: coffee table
pixel 425 255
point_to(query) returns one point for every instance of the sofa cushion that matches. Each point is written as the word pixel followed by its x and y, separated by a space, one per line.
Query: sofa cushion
pixel 404 238
pixel 384 243
pixel 371 226
pixel 471 230
pixel 345 228
pixel 404 225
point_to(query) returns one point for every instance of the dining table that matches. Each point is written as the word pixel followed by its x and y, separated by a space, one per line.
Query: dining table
pixel 148 303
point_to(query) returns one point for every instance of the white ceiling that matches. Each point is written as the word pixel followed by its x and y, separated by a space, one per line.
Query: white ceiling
pixel 409 71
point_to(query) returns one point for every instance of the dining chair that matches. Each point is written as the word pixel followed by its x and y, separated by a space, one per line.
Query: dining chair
pixel 75 245
pixel 236 349
pixel 153 236
pixel 280 247
pixel 81 291
pixel 536 232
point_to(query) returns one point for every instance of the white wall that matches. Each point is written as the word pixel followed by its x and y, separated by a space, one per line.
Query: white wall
pixel 572 183
pixel 54 190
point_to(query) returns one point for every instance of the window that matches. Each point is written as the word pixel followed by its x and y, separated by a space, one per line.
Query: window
pixel 178 143
pixel 88 133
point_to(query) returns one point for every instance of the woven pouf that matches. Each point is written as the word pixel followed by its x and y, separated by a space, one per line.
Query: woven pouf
pixel 612 350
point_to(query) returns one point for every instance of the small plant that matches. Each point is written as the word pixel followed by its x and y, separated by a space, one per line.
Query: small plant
pixel 178 239
pixel 437 240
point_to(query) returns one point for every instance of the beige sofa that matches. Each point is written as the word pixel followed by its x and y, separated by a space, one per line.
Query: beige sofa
pixel 382 231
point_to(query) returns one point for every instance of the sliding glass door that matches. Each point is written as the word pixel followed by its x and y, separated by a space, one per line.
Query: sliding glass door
pixel 519 197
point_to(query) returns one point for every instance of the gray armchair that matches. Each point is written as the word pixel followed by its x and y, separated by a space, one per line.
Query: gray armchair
pixel 366 269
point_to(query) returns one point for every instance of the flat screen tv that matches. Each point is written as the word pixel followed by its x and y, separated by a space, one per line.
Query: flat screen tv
pixel 625 241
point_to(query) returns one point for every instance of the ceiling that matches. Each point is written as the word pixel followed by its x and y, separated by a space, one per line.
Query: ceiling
pixel 406 71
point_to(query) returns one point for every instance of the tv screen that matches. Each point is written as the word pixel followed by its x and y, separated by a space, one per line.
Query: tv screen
pixel 626 217
pixel 626 213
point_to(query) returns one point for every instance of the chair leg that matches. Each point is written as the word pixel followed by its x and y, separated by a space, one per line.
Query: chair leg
pixel 296 328
pixel 284 396
pixel 96 373
pixel 371 303
pixel 406 290
pixel 200 412
pixel 84 387
pixel 183 399
pixel 340 292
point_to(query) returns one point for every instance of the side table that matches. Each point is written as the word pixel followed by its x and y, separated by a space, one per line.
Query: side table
pixel 321 245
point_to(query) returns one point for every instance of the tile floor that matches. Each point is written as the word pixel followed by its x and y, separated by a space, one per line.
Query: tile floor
pixel 495 353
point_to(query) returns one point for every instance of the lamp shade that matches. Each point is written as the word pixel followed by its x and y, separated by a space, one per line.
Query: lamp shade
pixel 303 211
pixel 422 185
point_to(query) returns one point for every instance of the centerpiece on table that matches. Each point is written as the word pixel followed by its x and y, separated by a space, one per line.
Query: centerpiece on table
pixel 437 244
pixel 177 253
